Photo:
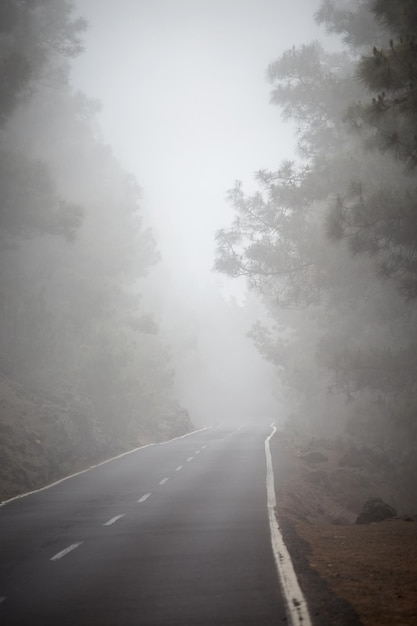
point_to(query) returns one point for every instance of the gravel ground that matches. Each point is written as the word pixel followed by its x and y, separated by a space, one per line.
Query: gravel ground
pixel 372 566
pixel 350 574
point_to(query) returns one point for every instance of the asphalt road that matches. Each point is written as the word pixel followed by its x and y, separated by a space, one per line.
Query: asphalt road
pixel 172 534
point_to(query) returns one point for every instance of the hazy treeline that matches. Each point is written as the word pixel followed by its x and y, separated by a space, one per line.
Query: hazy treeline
pixel 330 240
pixel 73 246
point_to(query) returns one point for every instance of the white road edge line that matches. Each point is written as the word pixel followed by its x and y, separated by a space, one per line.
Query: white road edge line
pixel 177 469
pixel 190 458
pixel 163 481
pixel 87 469
pixel 114 519
pixel 194 432
pixel 145 497
pixel 70 548
pixel 296 603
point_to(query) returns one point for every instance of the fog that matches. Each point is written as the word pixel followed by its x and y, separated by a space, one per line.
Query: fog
pixel 208 216
pixel 185 107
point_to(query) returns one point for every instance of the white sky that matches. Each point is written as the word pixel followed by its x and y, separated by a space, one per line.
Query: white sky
pixel 186 106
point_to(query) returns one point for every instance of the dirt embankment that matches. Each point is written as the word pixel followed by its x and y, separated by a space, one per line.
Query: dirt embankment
pixel 351 574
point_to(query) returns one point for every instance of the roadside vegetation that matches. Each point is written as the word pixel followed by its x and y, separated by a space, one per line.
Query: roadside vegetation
pixel 329 240
pixel 84 373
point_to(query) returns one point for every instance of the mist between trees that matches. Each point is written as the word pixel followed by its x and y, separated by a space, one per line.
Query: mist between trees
pixel 77 345
pixel 98 352
pixel 329 241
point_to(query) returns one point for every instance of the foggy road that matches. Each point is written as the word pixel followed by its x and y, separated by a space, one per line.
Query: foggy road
pixel 175 533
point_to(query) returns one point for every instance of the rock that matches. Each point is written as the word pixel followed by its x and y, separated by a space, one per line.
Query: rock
pixel 314 457
pixel 375 510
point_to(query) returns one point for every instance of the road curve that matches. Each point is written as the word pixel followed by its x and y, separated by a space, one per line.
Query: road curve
pixel 174 534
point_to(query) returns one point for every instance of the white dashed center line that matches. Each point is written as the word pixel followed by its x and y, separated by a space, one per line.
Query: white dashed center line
pixel 202 447
pixel 113 519
pixel 190 458
pixel 177 469
pixel 145 497
pixel 70 548
pixel 197 452
pixel 164 480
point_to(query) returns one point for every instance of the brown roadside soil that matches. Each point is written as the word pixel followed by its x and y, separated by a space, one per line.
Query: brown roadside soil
pixel 350 574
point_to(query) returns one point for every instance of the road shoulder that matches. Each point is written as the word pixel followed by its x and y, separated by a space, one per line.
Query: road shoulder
pixel 350 574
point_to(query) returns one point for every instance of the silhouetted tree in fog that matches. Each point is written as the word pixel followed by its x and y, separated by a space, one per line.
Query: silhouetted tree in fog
pixel 74 246
pixel 330 242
